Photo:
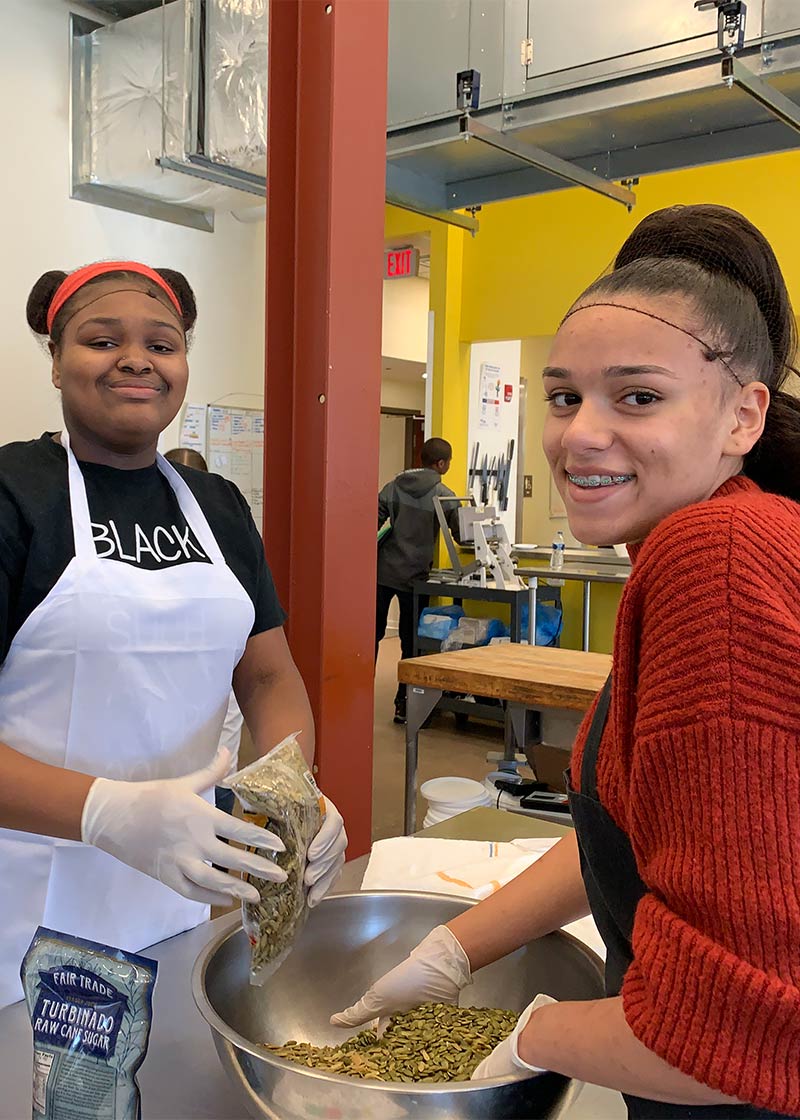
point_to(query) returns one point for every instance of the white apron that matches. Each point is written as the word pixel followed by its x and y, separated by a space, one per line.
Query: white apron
pixel 120 673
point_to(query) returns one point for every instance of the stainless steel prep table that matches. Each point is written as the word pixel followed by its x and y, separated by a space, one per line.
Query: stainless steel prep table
pixel 604 573
pixel 182 1078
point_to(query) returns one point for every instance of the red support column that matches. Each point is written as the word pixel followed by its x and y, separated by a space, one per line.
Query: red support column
pixel 326 151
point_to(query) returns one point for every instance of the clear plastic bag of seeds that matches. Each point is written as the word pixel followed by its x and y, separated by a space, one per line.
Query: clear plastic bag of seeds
pixel 278 792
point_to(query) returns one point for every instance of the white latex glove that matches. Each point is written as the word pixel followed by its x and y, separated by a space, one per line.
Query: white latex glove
pixel 164 829
pixel 325 854
pixel 504 1059
pixel 435 971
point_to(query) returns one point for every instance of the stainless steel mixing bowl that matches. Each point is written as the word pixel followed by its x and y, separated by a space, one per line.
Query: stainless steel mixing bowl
pixel 349 941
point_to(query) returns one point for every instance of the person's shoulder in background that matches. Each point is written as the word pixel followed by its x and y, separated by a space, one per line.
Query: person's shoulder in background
pixel 223 496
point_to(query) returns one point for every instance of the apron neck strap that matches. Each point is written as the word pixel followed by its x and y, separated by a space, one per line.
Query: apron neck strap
pixel 79 505
pixel 191 510
pixel 591 749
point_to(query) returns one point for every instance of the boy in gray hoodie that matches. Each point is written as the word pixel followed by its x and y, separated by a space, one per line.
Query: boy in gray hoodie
pixel 406 553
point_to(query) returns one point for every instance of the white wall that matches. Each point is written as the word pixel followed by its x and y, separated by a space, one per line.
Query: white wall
pixel 405 319
pixel 42 228
pixel 403 394
pixel 392 447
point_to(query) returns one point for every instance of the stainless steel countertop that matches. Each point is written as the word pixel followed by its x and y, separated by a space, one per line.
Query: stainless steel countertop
pixel 602 574
pixel 182 1078
pixel 593 557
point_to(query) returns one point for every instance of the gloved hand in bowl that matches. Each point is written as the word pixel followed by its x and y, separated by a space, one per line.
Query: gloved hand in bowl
pixel 435 971
pixel 504 1060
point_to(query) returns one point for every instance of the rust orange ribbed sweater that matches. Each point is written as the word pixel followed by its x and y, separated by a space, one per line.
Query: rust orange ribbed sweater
pixel 700 766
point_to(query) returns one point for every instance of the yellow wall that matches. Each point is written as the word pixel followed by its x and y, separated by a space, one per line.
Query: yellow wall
pixel 533 256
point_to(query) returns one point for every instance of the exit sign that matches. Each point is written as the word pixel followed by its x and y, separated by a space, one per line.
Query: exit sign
pixel 400 263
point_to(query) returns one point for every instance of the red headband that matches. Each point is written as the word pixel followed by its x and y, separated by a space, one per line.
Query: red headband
pixel 68 287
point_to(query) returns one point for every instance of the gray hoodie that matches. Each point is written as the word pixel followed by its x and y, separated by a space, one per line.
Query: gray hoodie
pixel 407 501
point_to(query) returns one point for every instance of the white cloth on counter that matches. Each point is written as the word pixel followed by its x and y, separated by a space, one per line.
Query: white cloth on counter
pixel 464 868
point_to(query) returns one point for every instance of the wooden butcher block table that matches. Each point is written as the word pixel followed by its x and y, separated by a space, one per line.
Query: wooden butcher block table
pixel 559 683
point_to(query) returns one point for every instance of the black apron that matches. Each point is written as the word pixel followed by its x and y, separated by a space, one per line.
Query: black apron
pixel 614 888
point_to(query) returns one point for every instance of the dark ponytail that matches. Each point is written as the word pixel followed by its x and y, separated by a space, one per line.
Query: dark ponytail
pixel 727 268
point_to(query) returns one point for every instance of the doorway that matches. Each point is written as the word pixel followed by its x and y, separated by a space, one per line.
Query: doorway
pixel 402 437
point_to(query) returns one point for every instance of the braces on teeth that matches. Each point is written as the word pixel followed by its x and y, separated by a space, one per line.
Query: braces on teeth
pixel 593 480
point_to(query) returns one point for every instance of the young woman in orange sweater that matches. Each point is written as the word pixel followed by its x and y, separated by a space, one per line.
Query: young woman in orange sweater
pixel 668 429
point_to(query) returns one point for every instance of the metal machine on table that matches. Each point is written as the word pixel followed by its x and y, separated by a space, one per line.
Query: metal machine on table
pixel 480 524
pixel 481 527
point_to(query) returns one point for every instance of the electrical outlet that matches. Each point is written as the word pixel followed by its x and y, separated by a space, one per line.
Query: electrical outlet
pixel 527 486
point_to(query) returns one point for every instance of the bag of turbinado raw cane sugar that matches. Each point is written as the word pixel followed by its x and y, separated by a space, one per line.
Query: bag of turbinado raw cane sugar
pixel 278 792
pixel 90 1007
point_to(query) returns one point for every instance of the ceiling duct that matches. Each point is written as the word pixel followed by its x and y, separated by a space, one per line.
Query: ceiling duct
pixel 169 100
pixel 121 9
pixel 589 93
pixel 169 108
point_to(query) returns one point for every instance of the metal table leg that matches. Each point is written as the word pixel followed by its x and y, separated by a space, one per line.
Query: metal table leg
pixel 511 733
pixel 515 737
pixel 516 617
pixel 533 587
pixel 420 702
pixel 587 608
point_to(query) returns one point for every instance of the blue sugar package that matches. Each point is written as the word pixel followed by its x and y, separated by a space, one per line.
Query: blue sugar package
pixel 90 1008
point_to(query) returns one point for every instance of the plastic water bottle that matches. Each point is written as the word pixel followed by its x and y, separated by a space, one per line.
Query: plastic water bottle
pixel 557 557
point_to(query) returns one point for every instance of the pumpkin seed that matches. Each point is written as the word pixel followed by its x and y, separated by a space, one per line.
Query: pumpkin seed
pixel 433 1043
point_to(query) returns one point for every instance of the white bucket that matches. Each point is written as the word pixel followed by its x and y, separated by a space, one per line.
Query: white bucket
pixel 447 797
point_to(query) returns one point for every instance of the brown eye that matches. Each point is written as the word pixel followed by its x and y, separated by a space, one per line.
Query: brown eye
pixel 562 398
pixel 641 398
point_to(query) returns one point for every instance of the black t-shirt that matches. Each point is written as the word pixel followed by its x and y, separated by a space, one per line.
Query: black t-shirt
pixel 135 519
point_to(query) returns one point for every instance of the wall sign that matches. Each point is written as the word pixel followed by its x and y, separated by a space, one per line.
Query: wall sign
pixel 231 440
pixel 491 383
pixel 398 264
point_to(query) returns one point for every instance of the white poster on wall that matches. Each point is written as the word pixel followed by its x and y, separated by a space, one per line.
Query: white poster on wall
pixel 236 451
pixel 219 441
pixel 490 391
pixel 257 504
pixel 492 452
pixel 193 428
pixel 232 442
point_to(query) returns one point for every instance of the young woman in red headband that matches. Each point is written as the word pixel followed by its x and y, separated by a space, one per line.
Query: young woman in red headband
pixel 132 593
